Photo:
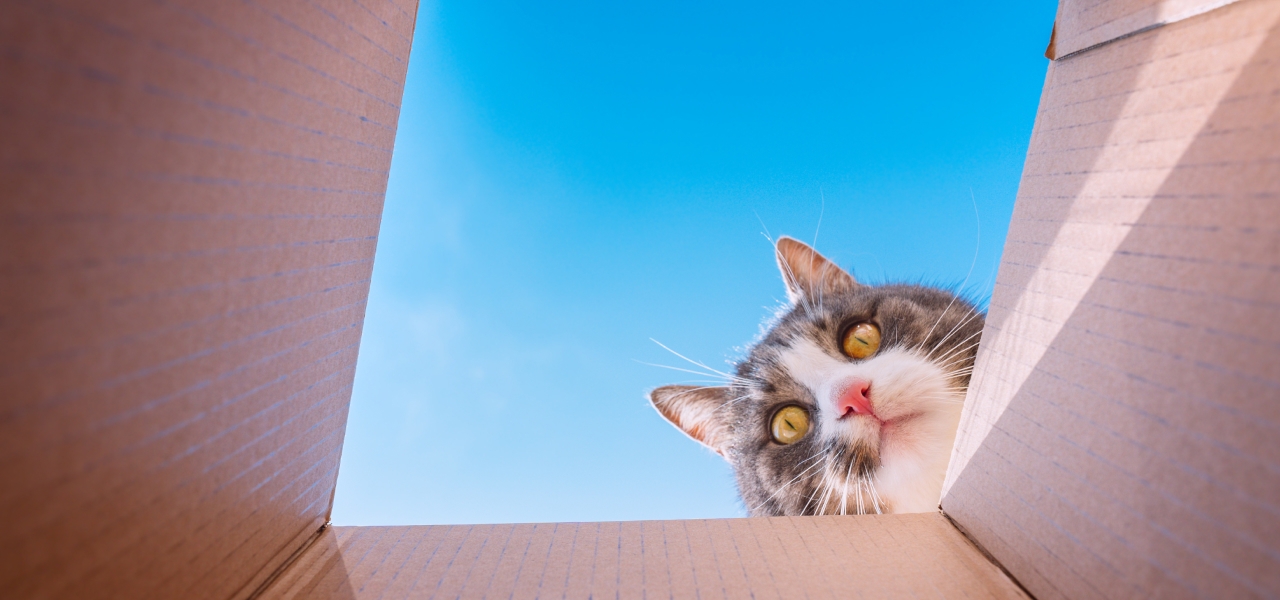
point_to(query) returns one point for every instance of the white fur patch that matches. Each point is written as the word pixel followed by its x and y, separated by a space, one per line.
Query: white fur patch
pixel 917 409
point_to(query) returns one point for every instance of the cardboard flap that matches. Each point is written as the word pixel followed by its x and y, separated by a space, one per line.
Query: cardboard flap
pixel 1083 24
pixel 890 556
pixel 1121 436
pixel 191 199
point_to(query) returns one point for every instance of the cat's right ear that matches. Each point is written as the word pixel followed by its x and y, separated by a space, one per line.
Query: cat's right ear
pixel 809 274
pixel 695 410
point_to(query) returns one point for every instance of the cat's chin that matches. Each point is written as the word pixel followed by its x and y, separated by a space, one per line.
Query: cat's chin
pixel 913 458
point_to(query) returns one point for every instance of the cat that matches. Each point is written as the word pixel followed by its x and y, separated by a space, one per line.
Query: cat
pixel 849 402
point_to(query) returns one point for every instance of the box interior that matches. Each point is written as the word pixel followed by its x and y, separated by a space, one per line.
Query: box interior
pixel 193 195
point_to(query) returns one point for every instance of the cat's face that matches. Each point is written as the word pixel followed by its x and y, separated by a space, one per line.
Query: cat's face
pixel 850 402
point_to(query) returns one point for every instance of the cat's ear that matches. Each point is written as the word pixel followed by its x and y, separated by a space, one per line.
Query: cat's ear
pixel 695 410
pixel 809 274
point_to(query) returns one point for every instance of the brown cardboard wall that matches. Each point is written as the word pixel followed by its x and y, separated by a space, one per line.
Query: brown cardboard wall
pixel 891 556
pixel 1120 434
pixel 192 193
pixel 1082 24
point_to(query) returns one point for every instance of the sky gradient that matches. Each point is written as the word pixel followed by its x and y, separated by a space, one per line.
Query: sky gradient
pixel 573 180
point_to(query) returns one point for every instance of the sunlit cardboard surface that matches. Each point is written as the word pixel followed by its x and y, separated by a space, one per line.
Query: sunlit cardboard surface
pixel 1119 437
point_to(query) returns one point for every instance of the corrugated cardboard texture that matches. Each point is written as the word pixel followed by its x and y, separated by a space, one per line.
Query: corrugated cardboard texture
pixel 1122 432
pixel 1082 24
pixel 920 556
pixel 191 199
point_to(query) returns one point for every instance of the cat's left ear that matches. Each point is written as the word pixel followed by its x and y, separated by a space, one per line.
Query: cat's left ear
pixel 695 410
pixel 809 274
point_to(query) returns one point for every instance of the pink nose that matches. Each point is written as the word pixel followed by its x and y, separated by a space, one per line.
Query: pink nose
pixel 855 398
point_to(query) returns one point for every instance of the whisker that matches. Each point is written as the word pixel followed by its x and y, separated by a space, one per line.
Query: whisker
pixel 819 454
pixel 682 370
pixel 960 354
pixel 950 366
pixel 730 403
pixel 974 314
pixel 804 298
pixel 935 325
pixel 821 211
pixel 828 484
pixel 862 508
pixel 804 510
pixel 845 500
pixel 875 495
pixel 977 246
pixel 961 346
pixel 697 389
pixel 694 362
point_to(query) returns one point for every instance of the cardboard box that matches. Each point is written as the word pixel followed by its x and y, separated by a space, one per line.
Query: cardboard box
pixel 192 193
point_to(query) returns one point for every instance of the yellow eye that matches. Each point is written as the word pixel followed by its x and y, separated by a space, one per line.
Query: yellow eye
pixel 861 340
pixel 789 425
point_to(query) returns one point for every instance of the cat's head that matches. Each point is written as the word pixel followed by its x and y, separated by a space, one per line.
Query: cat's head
pixel 850 401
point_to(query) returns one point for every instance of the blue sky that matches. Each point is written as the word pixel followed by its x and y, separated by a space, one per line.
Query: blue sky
pixel 572 179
